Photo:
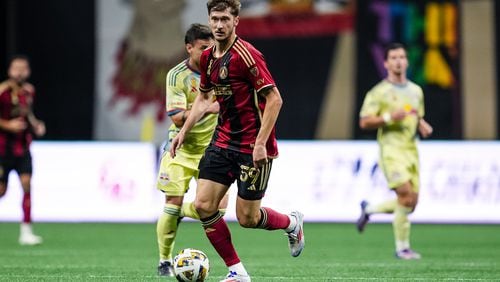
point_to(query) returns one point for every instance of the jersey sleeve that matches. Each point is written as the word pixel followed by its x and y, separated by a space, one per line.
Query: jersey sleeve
pixel 205 84
pixel 176 98
pixel 371 105
pixel 421 107
pixel 256 68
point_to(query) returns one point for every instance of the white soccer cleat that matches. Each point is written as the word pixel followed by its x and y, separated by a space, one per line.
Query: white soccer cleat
pixel 30 240
pixel 408 254
pixel 27 237
pixel 232 276
pixel 296 240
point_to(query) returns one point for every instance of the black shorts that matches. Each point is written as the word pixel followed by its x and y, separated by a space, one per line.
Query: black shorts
pixel 21 165
pixel 225 166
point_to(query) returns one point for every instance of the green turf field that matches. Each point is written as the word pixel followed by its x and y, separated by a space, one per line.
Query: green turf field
pixel 334 252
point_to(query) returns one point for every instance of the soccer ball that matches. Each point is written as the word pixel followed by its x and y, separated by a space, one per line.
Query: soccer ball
pixel 191 265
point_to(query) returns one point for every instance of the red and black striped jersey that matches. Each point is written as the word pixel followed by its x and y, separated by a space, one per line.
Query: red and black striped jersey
pixel 237 78
pixel 15 104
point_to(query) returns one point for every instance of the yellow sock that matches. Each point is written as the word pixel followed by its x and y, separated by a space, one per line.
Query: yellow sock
pixel 166 230
pixel 222 212
pixel 188 210
pixel 384 207
pixel 401 226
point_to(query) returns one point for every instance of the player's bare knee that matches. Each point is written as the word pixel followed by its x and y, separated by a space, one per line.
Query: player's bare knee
pixel 409 201
pixel 205 207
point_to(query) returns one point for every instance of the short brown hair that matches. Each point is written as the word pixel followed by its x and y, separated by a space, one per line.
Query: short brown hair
pixel 222 5
pixel 392 46
pixel 197 31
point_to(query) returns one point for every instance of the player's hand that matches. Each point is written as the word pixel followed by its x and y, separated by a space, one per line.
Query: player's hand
pixel 176 143
pixel 16 125
pixel 398 115
pixel 259 155
pixel 424 128
pixel 39 128
pixel 213 108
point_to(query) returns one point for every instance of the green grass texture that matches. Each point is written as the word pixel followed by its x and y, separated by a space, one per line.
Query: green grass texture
pixel 334 252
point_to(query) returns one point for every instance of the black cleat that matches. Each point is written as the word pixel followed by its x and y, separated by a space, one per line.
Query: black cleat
pixel 166 269
pixel 363 218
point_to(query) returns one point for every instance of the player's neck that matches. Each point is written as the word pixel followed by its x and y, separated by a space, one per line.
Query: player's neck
pixel 192 65
pixel 397 79
pixel 221 47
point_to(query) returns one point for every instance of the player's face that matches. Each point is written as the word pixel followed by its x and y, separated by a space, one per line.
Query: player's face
pixel 222 24
pixel 396 62
pixel 194 50
pixel 19 70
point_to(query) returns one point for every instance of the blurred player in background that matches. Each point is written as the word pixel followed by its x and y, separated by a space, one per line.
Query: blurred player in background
pixel 175 174
pixel 395 107
pixel 17 126
pixel 244 142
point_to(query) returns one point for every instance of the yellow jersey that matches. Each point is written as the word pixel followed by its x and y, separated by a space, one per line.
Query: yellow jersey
pixel 386 97
pixel 182 89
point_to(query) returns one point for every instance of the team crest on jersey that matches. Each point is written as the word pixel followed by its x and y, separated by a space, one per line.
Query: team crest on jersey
pixel 163 179
pixel 254 71
pixel 223 72
pixel 395 176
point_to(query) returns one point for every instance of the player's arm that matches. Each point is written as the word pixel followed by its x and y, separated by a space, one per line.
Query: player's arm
pixel 36 125
pixel 180 118
pixel 424 128
pixel 14 125
pixel 376 121
pixel 200 106
pixel 273 107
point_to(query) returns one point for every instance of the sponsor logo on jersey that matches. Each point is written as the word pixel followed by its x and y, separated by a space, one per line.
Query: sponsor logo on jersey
pixel 223 90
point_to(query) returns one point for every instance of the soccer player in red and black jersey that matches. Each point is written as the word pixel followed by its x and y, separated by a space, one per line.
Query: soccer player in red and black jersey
pixel 17 126
pixel 244 142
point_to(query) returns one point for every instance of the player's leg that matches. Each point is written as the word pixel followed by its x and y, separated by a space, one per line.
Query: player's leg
pixel 173 179
pixel 6 166
pixel 189 210
pixel 217 172
pixel 368 209
pixel 407 201
pixel 390 164
pixel 208 196
pixel 24 168
pixel 252 185
pixel 27 237
pixel 3 182
pixel 166 231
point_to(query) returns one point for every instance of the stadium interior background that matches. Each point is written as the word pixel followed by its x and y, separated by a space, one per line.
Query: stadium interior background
pixel 63 41
pixel 98 68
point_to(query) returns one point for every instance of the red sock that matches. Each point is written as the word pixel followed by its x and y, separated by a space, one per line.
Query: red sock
pixel 272 220
pixel 27 208
pixel 219 235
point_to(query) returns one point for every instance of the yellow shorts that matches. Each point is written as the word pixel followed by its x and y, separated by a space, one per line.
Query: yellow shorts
pixel 399 167
pixel 175 174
